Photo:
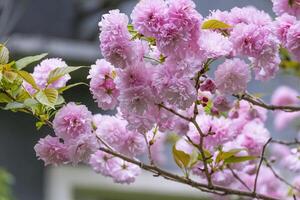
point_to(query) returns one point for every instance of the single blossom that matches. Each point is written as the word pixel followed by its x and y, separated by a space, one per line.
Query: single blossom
pixel 148 17
pixel 180 29
pixel 51 151
pixel 232 76
pixel 282 26
pixel 116 45
pixel 72 121
pixel 102 163
pixel 293 40
pixel 102 84
pixel 286 6
pixel 125 172
pixel 41 74
pixel 214 45
pixel 81 148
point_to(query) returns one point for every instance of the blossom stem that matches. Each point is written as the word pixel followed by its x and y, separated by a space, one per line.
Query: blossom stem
pixel 219 190
pixel 260 164
pixel 277 176
pixel 258 102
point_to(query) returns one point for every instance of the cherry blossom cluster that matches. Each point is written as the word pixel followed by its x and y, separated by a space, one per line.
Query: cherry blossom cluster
pixel 156 74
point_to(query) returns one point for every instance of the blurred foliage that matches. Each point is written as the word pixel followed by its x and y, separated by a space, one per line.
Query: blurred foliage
pixel 42 103
pixel 289 65
pixel 6 180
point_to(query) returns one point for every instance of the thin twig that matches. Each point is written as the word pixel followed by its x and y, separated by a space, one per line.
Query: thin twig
pixel 174 112
pixel 149 150
pixel 260 163
pixel 260 103
pixel 219 190
pixel 208 176
pixel 238 178
pixel 295 142
pixel 279 177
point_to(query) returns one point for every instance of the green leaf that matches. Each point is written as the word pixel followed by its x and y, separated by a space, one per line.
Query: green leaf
pixel 238 159
pixel 181 158
pixel 62 89
pixel 22 95
pixel 39 125
pixel 208 107
pixel 60 72
pixel 10 76
pixel 47 97
pixel 30 102
pixel 24 62
pixel 215 24
pixel 14 105
pixel 225 155
pixel 28 78
pixel 207 155
pixel 4 98
pixel 60 100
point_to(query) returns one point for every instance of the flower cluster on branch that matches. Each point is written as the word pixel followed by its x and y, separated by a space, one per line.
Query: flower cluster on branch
pixel 156 75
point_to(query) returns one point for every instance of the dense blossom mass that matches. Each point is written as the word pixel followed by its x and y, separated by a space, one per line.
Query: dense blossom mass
pixel 171 75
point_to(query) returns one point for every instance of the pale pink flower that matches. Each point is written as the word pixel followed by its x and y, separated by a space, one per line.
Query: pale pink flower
pixel 249 15
pixel 148 16
pixel 115 39
pixel 214 45
pixel 252 40
pixel 284 96
pixel 221 103
pixel 293 40
pixel 72 121
pixel 51 151
pixel 102 84
pixel 253 137
pixel 125 172
pixel 180 29
pixel 41 74
pixel 81 148
pixel 282 26
pixel 284 6
pixel 102 162
pixel 113 131
pixel 232 76
pixel 174 86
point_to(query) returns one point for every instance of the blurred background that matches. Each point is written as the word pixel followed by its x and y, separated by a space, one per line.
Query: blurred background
pixel 68 29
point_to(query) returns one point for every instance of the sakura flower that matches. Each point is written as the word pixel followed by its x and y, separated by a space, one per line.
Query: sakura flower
pixel 81 148
pixel 41 74
pixel 284 96
pixel 214 44
pixel 116 44
pixel 125 172
pixel 293 40
pixel 180 29
pixel 72 121
pixel 102 162
pixel 282 26
pixel 102 84
pixel 232 76
pixel 285 6
pixel 51 151
pixel 148 16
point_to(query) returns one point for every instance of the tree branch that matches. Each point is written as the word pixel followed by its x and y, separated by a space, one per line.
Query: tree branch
pixel 295 142
pixel 258 102
pixel 219 190
pixel 260 163
pixel 277 176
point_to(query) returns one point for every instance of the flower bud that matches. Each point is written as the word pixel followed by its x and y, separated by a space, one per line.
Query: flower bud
pixel 4 54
